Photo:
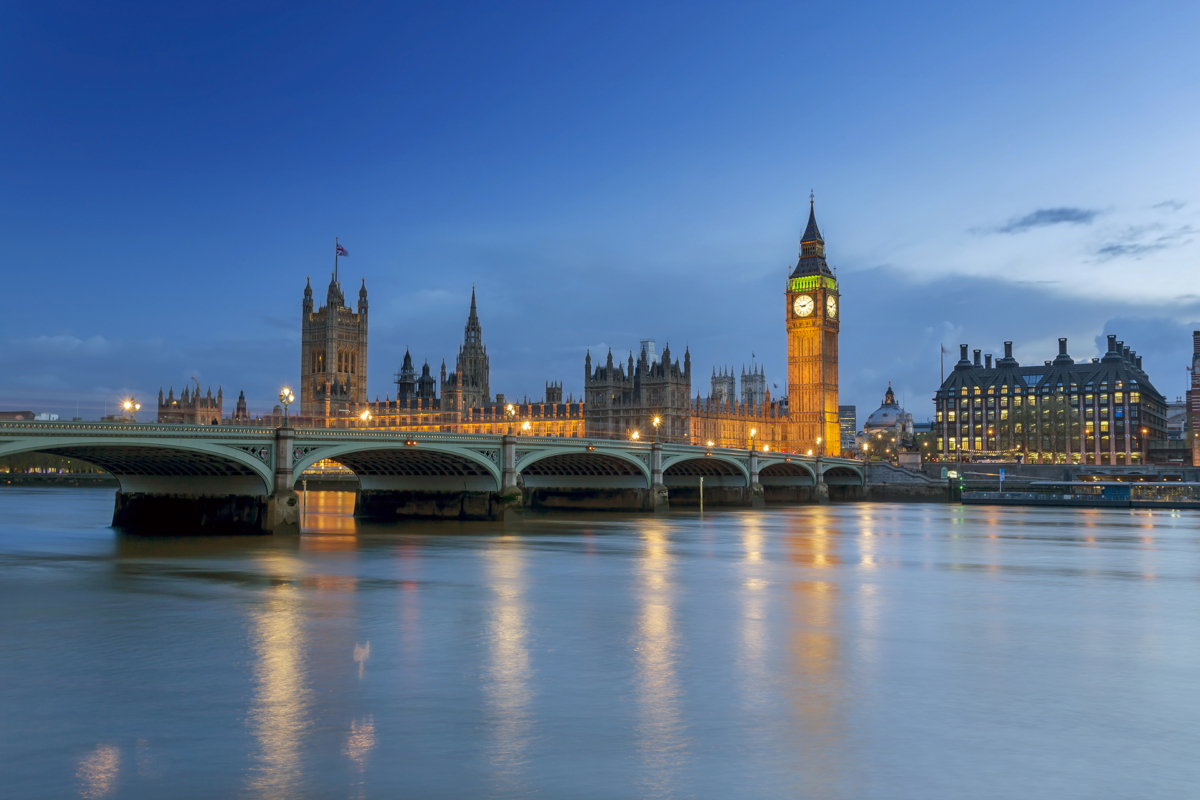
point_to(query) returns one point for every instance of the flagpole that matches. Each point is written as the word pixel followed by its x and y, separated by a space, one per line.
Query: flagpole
pixel 335 261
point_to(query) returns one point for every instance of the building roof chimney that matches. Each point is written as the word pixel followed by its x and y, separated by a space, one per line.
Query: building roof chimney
pixel 977 363
pixel 987 361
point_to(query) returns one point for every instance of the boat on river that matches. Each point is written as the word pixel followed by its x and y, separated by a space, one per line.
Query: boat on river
pixel 1095 493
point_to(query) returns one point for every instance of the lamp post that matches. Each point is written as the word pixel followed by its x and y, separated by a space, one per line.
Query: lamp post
pixel 635 436
pixel 818 447
pixel 510 412
pixel 366 418
pixel 1145 445
pixel 286 398
pixel 525 427
pixel 753 433
pixel 657 422
pixel 131 407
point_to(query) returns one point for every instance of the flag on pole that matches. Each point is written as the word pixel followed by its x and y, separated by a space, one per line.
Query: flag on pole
pixel 341 251
pixel 944 350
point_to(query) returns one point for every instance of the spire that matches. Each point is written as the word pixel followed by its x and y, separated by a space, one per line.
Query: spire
pixel 473 314
pixel 811 233
pixel 812 248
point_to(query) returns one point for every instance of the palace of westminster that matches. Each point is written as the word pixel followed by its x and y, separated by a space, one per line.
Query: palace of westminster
pixel 620 400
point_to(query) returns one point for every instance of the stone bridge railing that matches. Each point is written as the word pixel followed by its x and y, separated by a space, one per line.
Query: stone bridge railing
pixel 244 478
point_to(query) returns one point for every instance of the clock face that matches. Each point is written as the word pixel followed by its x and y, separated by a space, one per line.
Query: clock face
pixel 803 305
pixel 831 307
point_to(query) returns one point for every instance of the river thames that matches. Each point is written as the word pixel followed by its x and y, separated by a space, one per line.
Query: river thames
pixel 845 651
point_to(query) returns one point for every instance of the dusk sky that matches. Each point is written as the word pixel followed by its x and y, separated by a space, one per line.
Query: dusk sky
pixel 600 173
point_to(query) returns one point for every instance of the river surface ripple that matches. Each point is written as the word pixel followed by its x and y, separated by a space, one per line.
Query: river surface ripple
pixel 845 651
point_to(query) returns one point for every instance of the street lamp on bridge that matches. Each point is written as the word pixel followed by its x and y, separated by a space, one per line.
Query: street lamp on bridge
pixel 286 398
pixel 366 417
pixel 131 407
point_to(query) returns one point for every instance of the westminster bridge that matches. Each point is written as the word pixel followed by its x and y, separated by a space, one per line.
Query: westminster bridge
pixel 221 479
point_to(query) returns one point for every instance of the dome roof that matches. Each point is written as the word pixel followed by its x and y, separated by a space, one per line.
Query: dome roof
pixel 887 415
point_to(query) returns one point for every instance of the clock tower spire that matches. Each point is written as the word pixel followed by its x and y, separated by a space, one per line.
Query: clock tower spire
pixel 813 320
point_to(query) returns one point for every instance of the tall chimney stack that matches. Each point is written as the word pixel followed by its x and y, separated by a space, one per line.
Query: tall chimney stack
pixel 1062 345
pixel 977 363
pixel 1008 347
pixel 987 361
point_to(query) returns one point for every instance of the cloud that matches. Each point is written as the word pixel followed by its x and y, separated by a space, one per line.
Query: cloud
pixel 1138 241
pixel 1170 205
pixel 1044 217
pixel 65 344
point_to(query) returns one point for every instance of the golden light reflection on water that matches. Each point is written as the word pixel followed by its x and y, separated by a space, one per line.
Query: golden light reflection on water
pixel 507 685
pixel 98 771
pixel 817 671
pixel 328 513
pixel 753 668
pixel 359 744
pixel 659 729
pixel 279 715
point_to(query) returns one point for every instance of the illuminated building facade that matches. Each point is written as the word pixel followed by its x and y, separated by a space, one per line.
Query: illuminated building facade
pixel 333 356
pixel 813 321
pixel 1102 412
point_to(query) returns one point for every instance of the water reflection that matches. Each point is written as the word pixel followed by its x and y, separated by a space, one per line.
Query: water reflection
pixel 359 744
pixel 755 677
pixel 659 730
pixel 98 771
pixel 279 715
pixel 507 684
pixel 328 512
pixel 817 690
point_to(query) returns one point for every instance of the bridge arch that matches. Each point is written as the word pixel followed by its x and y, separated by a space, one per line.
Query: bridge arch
pixel 398 466
pixel 158 466
pixel 842 475
pixel 717 470
pixel 787 473
pixel 578 467
pixel 694 466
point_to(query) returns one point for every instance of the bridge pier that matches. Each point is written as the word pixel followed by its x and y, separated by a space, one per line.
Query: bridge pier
pixel 659 496
pixel 283 506
pixel 755 490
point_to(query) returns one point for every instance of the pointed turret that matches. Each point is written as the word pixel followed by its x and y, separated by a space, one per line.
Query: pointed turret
pixel 362 297
pixel 812 248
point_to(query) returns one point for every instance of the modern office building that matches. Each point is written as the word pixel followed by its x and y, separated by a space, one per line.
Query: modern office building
pixel 848 424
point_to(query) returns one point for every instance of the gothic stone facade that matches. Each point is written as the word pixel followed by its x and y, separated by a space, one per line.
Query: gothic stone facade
pixel 333 357
pixel 624 400
pixel 190 408
pixel 813 323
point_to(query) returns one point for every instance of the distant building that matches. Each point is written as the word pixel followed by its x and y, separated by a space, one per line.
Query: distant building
pixel 722 387
pixel 848 424
pixel 1177 420
pixel 18 416
pixel 754 385
pixel 190 408
pixel 1062 412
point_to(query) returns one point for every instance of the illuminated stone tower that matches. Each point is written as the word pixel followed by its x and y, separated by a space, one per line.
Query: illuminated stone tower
pixel 814 314
pixel 333 356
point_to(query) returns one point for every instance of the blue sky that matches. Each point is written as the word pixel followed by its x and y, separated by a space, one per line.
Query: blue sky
pixel 601 173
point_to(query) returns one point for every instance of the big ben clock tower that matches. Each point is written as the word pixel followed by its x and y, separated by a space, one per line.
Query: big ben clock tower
pixel 814 315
